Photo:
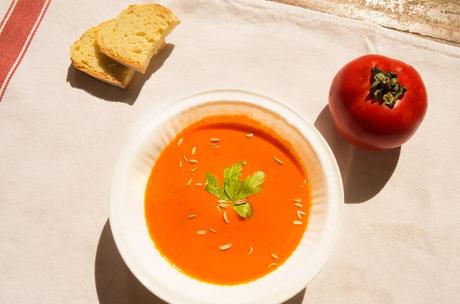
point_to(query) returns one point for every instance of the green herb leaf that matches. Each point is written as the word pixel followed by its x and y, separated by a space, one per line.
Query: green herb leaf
pixel 233 172
pixel 252 184
pixel 212 186
pixel 232 183
pixel 243 210
pixel 236 190
pixel 232 188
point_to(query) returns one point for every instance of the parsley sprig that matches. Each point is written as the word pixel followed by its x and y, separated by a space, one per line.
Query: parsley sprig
pixel 235 190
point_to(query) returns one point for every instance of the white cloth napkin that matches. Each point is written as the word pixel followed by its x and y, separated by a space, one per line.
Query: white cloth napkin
pixel 61 133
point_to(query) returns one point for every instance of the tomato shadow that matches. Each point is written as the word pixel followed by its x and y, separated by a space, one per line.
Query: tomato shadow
pixel 115 284
pixel 364 173
pixel 102 90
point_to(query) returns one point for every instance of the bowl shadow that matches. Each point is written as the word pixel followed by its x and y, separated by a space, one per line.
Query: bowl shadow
pixel 364 173
pixel 115 284
pixel 105 91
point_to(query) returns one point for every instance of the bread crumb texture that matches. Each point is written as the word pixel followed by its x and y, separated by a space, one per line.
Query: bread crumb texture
pixel 136 35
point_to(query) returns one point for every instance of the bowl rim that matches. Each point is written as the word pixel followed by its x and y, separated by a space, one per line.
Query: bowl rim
pixel 323 152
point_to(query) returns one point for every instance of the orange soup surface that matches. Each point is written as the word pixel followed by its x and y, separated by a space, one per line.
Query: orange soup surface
pixel 202 235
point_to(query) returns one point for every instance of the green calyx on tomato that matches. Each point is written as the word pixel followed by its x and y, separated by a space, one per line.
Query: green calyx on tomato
pixel 385 87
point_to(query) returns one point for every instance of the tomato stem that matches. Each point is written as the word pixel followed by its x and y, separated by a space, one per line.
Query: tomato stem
pixel 385 87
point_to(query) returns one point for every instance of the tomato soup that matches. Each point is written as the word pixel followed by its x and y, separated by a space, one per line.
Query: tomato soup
pixel 227 200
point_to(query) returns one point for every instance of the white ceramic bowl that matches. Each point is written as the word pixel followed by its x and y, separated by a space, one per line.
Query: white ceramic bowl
pixel 132 172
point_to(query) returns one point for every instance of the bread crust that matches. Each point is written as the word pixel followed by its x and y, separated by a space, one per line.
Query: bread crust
pixel 104 77
pixel 85 68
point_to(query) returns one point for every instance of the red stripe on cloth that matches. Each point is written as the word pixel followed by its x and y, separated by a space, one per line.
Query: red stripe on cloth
pixel 6 14
pixel 16 36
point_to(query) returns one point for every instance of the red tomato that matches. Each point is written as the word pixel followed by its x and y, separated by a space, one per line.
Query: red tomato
pixel 377 102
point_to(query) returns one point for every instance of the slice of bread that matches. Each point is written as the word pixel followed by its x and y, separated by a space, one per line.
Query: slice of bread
pixel 87 57
pixel 136 35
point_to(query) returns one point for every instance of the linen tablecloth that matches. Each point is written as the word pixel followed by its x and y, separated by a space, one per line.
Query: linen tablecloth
pixel 62 131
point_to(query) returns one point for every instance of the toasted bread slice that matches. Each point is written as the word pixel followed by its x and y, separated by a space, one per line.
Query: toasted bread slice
pixel 86 57
pixel 136 35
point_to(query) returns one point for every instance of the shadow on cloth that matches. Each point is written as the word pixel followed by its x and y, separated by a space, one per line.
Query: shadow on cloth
pixel 364 173
pixel 108 92
pixel 115 284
